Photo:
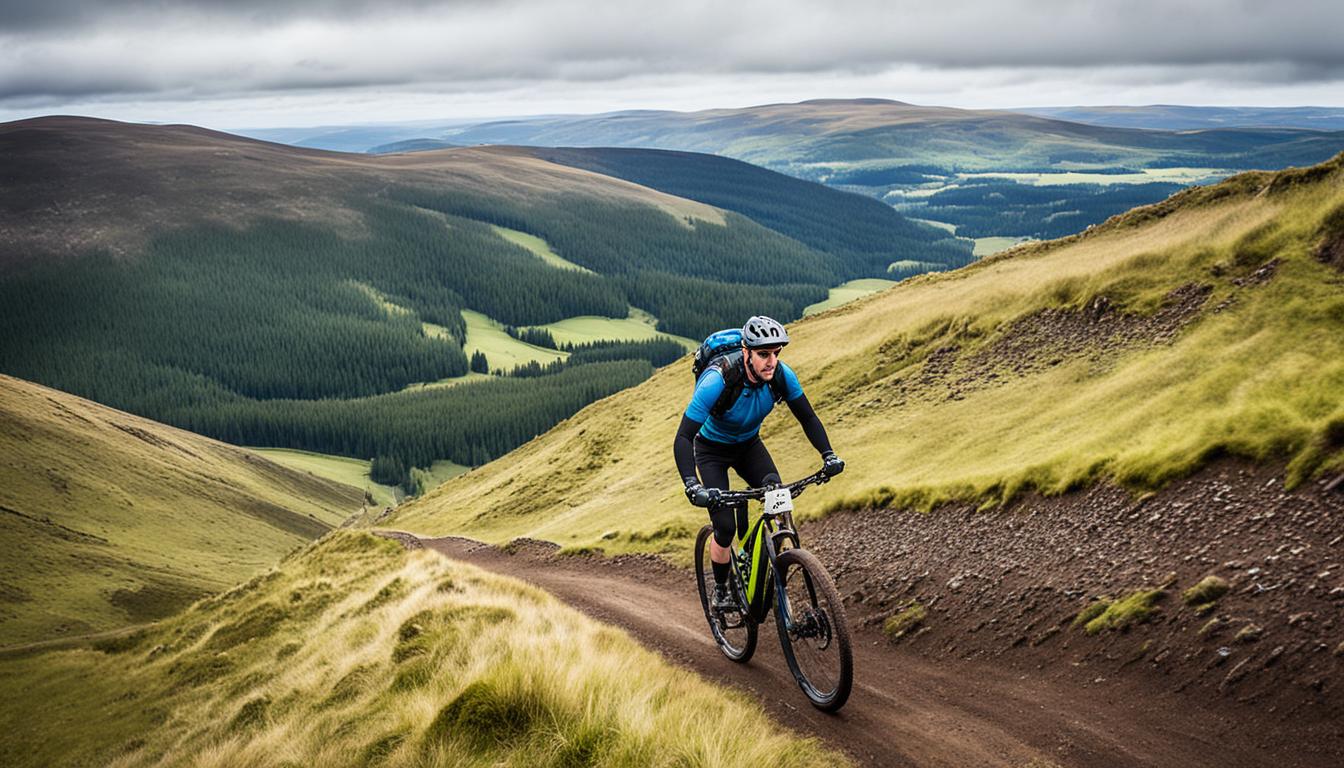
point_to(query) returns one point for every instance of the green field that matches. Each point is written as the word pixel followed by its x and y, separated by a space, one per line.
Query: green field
pixel 502 350
pixel 847 292
pixel 539 247
pixel 988 246
pixel 339 468
pixel 355 652
pixel 637 326
pixel 1143 176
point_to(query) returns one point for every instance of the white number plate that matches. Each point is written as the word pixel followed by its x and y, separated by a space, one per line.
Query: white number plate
pixel 777 501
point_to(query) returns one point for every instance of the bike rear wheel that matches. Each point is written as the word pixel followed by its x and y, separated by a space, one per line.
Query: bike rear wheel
pixel 813 630
pixel 734 631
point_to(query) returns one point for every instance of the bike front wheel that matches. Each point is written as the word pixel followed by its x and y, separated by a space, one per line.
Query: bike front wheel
pixel 813 630
pixel 734 631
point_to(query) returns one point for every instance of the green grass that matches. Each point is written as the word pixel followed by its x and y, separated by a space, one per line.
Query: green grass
pixel 1263 378
pixel 339 468
pixel 637 326
pixel 1143 176
pixel 847 292
pixel 988 246
pixel 1119 615
pixel 108 519
pixel 354 651
pixel 902 623
pixel 502 350
pixel 539 247
pixel 1206 592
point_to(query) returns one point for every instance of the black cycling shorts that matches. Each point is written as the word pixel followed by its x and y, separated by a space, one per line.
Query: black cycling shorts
pixel 753 464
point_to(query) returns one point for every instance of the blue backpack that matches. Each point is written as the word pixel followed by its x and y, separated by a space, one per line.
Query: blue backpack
pixel 723 350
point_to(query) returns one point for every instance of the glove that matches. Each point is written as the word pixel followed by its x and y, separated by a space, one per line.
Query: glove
pixel 831 464
pixel 698 494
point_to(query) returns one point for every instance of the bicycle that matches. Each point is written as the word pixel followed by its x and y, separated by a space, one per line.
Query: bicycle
pixel 809 615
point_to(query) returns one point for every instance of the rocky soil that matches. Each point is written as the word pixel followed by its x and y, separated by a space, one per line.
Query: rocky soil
pixel 1010 585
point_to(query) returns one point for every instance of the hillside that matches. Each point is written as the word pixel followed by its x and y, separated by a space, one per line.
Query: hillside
pixel 282 297
pixel 985 173
pixel 1137 351
pixel 354 652
pixel 1015 432
pixel 110 519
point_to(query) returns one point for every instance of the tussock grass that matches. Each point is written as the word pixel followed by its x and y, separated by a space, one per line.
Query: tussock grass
pixel 1258 372
pixel 413 661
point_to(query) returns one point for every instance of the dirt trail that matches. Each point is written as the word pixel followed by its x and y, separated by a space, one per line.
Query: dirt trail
pixel 905 710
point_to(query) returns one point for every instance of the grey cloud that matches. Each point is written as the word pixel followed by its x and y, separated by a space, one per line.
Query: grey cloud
pixel 211 47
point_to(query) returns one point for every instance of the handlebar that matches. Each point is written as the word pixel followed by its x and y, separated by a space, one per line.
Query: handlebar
pixel 795 489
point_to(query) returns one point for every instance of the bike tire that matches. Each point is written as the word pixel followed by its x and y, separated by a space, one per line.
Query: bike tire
pixel 818 648
pixel 737 642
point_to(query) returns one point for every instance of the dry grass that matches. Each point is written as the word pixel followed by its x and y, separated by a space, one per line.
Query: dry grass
pixel 355 652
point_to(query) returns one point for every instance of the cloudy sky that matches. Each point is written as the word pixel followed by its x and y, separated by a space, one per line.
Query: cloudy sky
pixel 262 63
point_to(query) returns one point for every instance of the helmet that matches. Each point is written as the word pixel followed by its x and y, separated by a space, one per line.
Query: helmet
pixel 762 331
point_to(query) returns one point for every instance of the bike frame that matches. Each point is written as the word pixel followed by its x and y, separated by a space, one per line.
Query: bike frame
pixel 777 529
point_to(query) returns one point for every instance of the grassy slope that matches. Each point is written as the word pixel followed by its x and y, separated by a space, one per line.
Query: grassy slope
pixel 108 519
pixel 1263 377
pixel 846 292
pixel 355 652
pixel 354 472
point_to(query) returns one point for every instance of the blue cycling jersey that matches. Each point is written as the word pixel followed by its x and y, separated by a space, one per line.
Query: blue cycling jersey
pixel 743 420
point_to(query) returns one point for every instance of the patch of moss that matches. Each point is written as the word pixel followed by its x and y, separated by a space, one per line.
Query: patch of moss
pixel 1249 633
pixel 1206 592
pixel 899 625
pixel 1122 614
pixel 1211 627
pixel 1091 611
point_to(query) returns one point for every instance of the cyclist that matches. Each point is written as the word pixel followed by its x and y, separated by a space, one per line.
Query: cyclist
pixel 715 436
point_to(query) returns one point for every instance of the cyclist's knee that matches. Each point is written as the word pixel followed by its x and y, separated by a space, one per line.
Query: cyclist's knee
pixel 724 518
pixel 771 479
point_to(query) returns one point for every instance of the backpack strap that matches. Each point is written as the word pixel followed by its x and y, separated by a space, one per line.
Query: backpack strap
pixel 730 366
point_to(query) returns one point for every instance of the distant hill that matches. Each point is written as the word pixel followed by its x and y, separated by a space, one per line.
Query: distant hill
pixel 411 145
pixel 1175 117
pixel 813 139
pixel 285 297
pixel 109 519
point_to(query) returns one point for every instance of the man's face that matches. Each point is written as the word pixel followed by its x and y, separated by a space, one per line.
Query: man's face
pixel 763 361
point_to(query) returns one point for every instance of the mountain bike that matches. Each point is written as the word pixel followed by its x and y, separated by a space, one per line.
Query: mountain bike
pixel 771 568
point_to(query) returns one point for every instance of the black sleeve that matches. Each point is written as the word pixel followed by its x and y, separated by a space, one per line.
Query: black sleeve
pixel 683 448
pixel 816 433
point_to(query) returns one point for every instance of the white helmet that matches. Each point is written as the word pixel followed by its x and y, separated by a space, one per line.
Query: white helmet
pixel 762 331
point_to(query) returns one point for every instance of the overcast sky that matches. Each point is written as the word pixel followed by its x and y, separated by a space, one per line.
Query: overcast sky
pixel 261 63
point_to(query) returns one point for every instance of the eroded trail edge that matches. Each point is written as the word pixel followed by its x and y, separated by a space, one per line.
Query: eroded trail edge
pixel 907 709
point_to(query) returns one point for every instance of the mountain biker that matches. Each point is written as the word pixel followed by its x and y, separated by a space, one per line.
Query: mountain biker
pixel 712 443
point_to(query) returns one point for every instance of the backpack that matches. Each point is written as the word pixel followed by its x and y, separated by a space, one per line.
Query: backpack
pixel 723 350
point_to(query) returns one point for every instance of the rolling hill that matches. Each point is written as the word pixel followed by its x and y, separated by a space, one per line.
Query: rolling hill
pixel 275 296
pixel 1112 459
pixel 1206 325
pixel 987 173
pixel 110 519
